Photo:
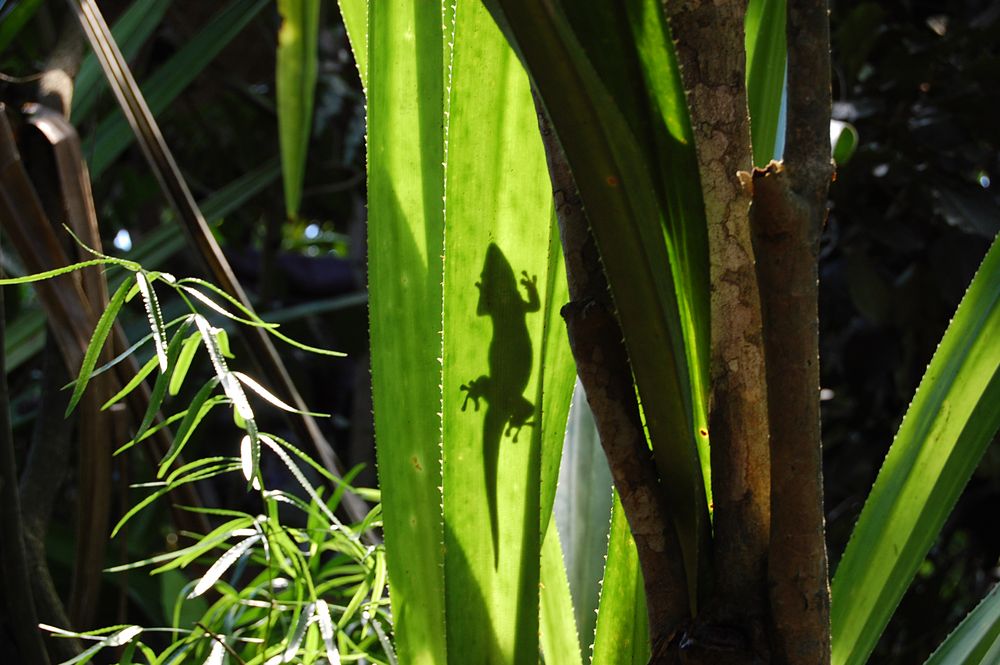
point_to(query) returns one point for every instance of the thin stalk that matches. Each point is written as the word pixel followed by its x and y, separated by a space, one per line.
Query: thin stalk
pixel 604 370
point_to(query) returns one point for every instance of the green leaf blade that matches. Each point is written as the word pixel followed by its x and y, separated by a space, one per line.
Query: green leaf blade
pixel 559 641
pixel 952 418
pixel 96 345
pixel 617 108
pixel 295 86
pixel 766 47
pixel 622 636
pixel 406 231
pixel 500 304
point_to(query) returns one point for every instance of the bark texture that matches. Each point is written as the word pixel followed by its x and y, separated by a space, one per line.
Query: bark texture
pixel 604 370
pixel 711 52
pixel 789 209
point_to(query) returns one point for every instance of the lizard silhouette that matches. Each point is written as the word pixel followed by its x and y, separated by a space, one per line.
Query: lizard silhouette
pixel 510 360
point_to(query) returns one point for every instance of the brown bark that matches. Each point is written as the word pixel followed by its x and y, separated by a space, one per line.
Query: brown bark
pixel 710 48
pixel 604 370
pixel 789 209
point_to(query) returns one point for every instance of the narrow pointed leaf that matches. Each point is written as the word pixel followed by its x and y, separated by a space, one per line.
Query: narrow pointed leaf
pixel 622 636
pixel 295 86
pixel 271 399
pixel 198 408
pixel 134 382
pixel 298 633
pixel 224 563
pixel 48 274
pixel 101 330
pixel 155 316
pixel 952 419
pixel 183 363
pixel 159 391
pixel 559 641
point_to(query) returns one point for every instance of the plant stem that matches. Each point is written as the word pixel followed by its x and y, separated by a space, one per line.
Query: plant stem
pixel 711 52
pixel 789 209
pixel 604 370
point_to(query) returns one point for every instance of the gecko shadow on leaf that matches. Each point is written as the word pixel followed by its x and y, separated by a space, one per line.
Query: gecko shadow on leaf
pixel 510 361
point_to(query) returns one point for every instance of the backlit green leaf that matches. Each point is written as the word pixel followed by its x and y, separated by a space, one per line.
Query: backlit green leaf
pixel 949 424
pixel 295 87
pixel 406 226
pixel 622 636
pixel 618 108
pixel 766 56
pixel 559 641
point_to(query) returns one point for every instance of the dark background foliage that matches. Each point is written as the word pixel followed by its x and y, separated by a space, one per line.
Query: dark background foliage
pixel 912 214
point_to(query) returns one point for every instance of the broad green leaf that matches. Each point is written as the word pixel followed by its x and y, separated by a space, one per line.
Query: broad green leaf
pixel 355 15
pixel 113 134
pixel 976 641
pixel 766 55
pixel 406 226
pixel 559 641
pixel 558 376
pixel 295 88
pixel 952 419
pixel 618 108
pixel 499 285
pixel 583 511
pixel 96 345
pixel 622 636
pixel 130 32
